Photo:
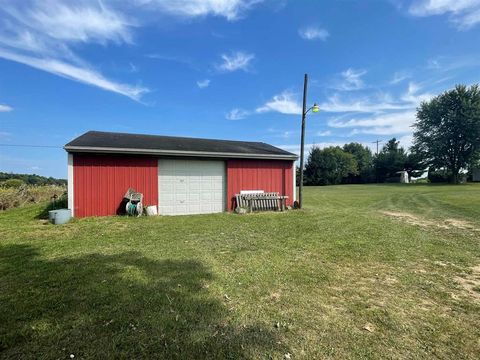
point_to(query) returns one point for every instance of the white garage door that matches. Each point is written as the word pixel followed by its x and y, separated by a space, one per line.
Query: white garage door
pixel 191 187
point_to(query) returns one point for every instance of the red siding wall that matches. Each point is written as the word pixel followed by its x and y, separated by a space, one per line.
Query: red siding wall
pixel 100 181
pixel 267 175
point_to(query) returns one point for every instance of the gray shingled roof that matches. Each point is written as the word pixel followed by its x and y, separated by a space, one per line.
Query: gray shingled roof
pixel 109 142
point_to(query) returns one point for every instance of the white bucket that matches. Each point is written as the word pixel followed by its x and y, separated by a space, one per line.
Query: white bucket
pixel 152 210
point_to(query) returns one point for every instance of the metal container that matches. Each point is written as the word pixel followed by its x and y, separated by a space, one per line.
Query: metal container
pixel 60 216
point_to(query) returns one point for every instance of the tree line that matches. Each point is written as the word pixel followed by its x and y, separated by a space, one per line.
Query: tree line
pixel 446 143
pixel 15 180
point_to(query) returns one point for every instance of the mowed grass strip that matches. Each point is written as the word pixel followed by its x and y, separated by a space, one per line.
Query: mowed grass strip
pixel 342 278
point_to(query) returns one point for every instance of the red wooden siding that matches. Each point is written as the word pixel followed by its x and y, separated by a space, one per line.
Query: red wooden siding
pixel 267 175
pixel 100 181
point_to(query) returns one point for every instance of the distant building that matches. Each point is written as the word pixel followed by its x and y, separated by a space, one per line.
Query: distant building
pixel 404 179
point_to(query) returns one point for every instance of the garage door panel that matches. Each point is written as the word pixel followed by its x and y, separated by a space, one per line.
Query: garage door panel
pixel 193 197
pixel 207 208
pixel 217 208
pixel 195 186
pixel 191 187
pixel 167 187
pixel 179 209
pixel 206 186
pixel 206 196
pixel 168 197
pixel 181 197
pixel 194 209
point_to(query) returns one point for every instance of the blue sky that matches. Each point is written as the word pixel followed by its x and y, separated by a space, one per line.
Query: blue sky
pixel 228 69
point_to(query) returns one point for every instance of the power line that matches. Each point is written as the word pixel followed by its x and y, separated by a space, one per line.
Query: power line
pixel 32 146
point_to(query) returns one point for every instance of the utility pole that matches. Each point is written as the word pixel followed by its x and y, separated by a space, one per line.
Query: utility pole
pixel 376 164
pixel 302 143
pixel 315 108
pixel 377 142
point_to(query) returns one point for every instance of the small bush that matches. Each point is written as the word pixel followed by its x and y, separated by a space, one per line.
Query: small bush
pixel 13 183
pixel 421 181
pixel 438 176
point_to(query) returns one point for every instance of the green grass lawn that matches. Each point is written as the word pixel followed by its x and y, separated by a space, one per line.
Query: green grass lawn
pixel 385 271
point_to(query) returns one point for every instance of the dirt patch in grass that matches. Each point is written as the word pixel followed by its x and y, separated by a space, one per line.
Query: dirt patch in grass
pixel 471 283
pixel 461 224
pixel 418 221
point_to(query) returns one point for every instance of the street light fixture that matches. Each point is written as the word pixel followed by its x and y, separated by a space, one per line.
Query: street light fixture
pixel 315 108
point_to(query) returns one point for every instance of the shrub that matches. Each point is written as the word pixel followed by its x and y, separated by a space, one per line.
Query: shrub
pixel 443 176
pixel 392 179
pixel 438 176
pixel 423 180
pixel 13 183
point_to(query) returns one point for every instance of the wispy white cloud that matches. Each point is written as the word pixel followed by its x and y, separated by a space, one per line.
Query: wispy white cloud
pixel 382 124
pixel 46 34
pixel 470 20
pixel 386 117
pixel 282 133
pixel 413 95
pixel 41 35
pixel 450 63
pixel 237 114
pixel 83 22
pixel 313 33
pixel 350 79
pixel 378 103
pixel 133 67
pixel 465 14
pixel 338 104
pixel 229 9
pixel 81 74
pixel 236 60
pixel 400 76
pixel 284 103
pixel 5 108
pixel 202 84
pixel 287 134
pixel 324 133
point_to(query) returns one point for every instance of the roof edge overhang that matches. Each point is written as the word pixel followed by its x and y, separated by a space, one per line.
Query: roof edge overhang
pixel 110 150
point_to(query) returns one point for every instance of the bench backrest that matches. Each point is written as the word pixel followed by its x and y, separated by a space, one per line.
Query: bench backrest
pixel 259 201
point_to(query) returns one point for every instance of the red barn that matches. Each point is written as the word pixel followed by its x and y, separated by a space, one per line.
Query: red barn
pixel 178 175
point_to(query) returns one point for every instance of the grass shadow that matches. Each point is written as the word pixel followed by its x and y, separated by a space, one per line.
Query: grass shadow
pixel 117 306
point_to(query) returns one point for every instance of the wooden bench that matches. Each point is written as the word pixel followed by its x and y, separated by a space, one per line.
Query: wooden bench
pixel 262 201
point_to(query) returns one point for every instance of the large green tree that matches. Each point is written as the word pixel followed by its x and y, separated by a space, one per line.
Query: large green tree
pixel 364 158
pixel 329 166
pixel 447 130
pixel 390 160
